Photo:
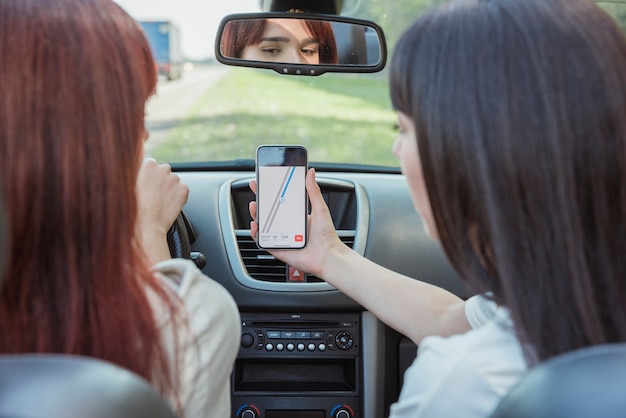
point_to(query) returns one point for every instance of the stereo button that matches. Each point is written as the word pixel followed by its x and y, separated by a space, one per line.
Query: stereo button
pixel 300 347
pixel 321 347
pixel 342 413
pixel 317 335
pixel 269 346
pixel 248 413
pixel 247 340
pixel 330 340
pixel 280 347
pixel 344 340
pixel 290 347
pixel 260 340
pixel 311 347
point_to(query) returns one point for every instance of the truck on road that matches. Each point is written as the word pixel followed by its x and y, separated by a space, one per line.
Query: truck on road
pixel 164 38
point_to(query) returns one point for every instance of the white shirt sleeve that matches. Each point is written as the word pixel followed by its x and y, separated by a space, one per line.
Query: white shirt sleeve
pixel 479 310
pixel 207 350
pixel 465 375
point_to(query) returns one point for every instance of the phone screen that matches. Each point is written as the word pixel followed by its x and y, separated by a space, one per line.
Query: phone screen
pixel 281 196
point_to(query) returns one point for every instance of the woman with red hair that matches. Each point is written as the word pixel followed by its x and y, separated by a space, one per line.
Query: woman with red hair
pixel 89 271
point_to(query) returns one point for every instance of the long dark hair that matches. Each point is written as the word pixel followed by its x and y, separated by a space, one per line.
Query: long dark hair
pixel 74 79
pixel 520 114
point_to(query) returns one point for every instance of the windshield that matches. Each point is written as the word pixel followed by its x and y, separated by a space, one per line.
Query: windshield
pixel 204 111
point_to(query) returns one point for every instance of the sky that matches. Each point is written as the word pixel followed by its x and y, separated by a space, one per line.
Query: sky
pixel 198 19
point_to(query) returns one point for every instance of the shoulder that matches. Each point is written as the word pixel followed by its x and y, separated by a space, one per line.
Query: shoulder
pixel 211 311
pixel 209 307
pixel 194 287
pixel 465 374
pixel 182 275
pixel 480 309
pixel 486 351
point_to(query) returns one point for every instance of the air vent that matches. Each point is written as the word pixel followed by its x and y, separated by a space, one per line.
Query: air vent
pixel 261 265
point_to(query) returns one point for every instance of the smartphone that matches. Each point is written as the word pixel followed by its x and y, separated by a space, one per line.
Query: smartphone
pixel 281 196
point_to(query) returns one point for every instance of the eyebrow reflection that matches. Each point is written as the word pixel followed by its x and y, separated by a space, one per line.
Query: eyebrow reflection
pixel 287 40
pixel 275 39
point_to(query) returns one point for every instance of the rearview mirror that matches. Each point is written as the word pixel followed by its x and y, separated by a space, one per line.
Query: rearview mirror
pixel 301 44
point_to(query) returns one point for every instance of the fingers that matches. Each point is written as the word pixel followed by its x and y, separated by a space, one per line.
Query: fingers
pixel 252 209
pixel 160 197
pixel 161 194
pixel 254 227
pixel 314 192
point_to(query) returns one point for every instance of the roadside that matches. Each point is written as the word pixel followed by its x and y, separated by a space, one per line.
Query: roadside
pixel 174 99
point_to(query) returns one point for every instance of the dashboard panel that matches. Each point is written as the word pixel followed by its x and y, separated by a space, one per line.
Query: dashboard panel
pixel 374 214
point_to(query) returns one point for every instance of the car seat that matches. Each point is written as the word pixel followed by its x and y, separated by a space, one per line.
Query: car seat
pixel 589 382
pixel 66 386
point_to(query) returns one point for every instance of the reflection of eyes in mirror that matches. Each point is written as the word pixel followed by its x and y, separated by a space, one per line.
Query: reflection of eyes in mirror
pixel 285 40
pixel 294 41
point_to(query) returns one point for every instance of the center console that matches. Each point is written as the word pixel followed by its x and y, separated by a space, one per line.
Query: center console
pixel 298 366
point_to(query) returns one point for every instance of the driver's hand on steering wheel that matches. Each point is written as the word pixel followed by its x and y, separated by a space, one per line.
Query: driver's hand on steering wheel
pixel 160 198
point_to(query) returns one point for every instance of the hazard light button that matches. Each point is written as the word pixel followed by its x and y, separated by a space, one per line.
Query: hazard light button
pixel 295 275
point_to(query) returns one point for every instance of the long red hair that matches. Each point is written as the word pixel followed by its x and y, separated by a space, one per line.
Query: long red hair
pixel 74 79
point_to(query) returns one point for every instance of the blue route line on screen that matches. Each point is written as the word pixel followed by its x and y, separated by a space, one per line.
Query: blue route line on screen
pixel 278 199
pixel 282 196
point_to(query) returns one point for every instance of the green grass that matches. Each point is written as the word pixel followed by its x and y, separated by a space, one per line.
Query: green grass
pixel 339 118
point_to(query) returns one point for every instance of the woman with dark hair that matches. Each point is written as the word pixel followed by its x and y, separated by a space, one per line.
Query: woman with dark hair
pixel 513 143
pixel 89 271
pixel 294 41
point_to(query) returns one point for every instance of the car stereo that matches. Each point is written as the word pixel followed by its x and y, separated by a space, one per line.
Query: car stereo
pixel 302 365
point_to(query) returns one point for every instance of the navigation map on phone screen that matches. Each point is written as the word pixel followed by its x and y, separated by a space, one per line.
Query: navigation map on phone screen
pixel 281 197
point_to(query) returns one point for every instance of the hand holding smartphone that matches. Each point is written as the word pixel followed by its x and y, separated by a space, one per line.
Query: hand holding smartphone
pixel 281 196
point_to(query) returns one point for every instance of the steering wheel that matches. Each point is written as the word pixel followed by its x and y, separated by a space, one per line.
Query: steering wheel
pixel 178 238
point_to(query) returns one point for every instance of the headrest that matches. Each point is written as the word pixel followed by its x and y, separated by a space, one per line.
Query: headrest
pixel 589 382
pixel 64 386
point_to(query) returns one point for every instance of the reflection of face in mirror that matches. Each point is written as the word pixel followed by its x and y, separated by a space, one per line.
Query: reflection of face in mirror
pixel 294 41
pixel 284 40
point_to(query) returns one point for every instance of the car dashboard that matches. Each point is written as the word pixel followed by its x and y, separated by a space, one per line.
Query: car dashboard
pixel 308 350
